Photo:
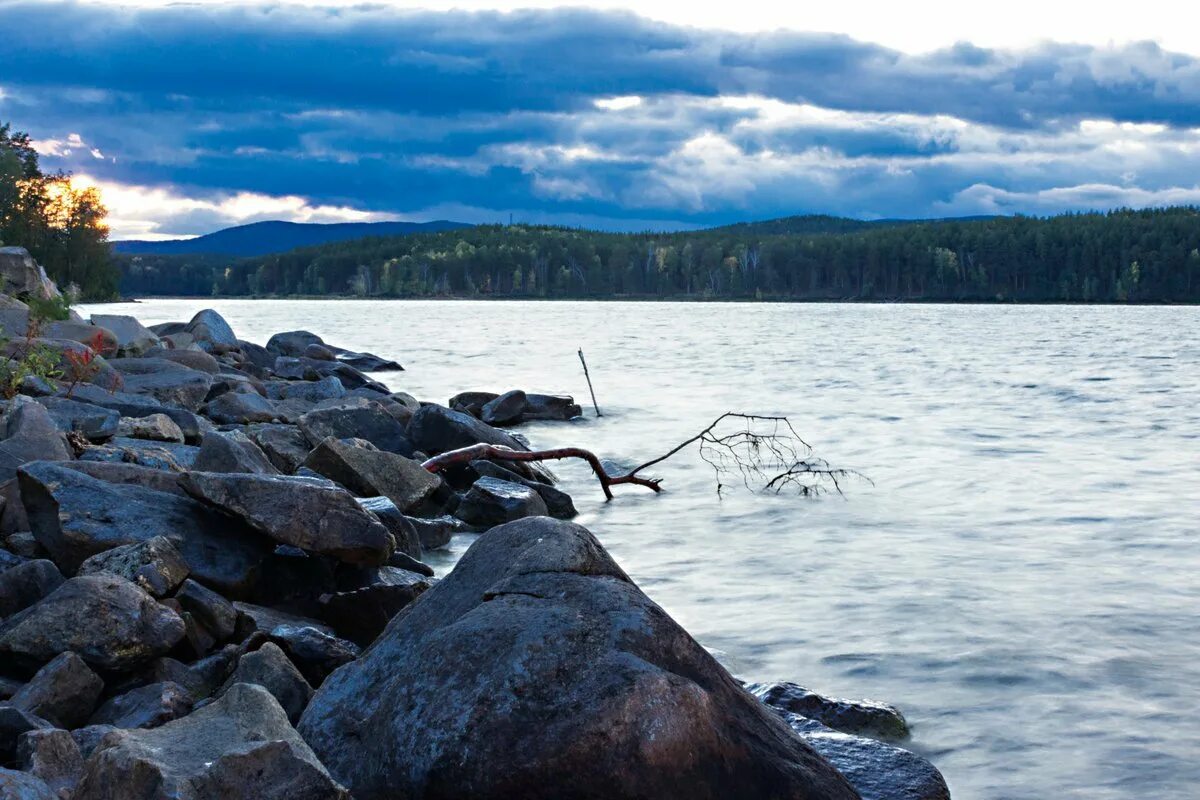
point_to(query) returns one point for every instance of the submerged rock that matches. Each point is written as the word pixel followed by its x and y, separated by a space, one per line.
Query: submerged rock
pixel 494 502
pixel 862 717
pixel 239 747
pixel 505 409
pixel 536 669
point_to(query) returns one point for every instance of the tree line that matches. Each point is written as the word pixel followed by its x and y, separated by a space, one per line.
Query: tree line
pixel 1115 257
pixel 61 225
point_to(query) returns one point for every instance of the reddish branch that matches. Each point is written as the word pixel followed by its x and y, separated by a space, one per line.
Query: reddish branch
pixel 763 450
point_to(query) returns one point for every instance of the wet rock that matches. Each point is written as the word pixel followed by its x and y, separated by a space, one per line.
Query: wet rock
pixel 240 746
pixel 163 380
pixel 132 405
pixel 232 451
pixel 195 359
pixel 436 532
pixel 435 429
pixel 154 565
pixel 285 445
pixel 75 516
pixel 550 407
pixel 212 610
pixel 32 436
pixel 96 423
pixel 494 502
pixel 407 562
pixel 52 756
pixel 63 692
pixel 145 707
pixel 270 668
pixel 212 332
pixel 240 408
pixel 297 511
pixel 369 421
pixel 862 717
pixel 877 770
pixel 292 343
pixel 130 475
pixel 25 584
pixel 361 614
pixel 370 472
pixel 154 427
pixel 505 409
pixel 557 501
pixel 133 338
pixel 23 786
pixel 539 657
pixel 404 534
pixel 471 402
pixel 125 626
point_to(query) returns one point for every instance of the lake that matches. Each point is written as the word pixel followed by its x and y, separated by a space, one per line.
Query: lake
pixel 1022 578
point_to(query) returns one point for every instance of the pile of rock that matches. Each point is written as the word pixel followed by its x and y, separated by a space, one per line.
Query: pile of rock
pixel 195 555
pixel 515 406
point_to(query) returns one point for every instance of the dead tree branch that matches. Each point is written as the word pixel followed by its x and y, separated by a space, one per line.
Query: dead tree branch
pixel 765 452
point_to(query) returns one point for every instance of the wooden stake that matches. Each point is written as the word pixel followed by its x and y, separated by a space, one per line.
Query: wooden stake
pixel 589 381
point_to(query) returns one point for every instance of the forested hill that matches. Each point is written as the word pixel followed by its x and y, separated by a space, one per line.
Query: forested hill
pixel 261 238
pixel 1121 256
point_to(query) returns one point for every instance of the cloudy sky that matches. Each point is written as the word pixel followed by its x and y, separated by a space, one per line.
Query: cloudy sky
pixel 192 117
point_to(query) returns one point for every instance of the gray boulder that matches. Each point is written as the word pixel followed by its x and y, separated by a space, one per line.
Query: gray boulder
pixel 239 747
pixel 21 276
pixel 194 359
pixel 52 756
pixel 212 610
pixel 212 332
pixel 368 362
pixel 169 456
pixel 270 668
pixel 23 786
pixel 860 717
pixel 404 533
pixel 364 420
pixel 240 408
pixel 370 472
pixel 435 429
pixel 130 474
pixel 155 565
pixel 75 516
pixel 96 423
pixel 165 381
pixel 436 532
pixel 125 626
pixel 63 692
pixel 133 338
pixel 145 707
pixel 26 583
pixel 494 502
pixel 312 646
pixel 360 615
pixel 550 407
pixel 232 451
pixel 32 435
pixel 558 502
pixel 297 511
pixel 285 445
pixel 13 724
pixel 292 343
pixel 155 427
pixel 539 658
pixel 471 402
pixel 133 405
pixel 505 409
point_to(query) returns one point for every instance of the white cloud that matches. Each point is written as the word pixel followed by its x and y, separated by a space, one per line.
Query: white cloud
pixel 619 103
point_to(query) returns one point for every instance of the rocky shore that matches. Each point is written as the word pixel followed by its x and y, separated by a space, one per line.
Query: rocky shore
pixel 212 586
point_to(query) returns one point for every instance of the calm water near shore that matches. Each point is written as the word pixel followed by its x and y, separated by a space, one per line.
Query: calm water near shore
pixel 1023 579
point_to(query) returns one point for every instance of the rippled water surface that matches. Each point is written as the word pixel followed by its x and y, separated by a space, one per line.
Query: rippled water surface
pixel 1022 578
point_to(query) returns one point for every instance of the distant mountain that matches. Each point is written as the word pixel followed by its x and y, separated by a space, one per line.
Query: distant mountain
pixel 264 238
pixel 812 224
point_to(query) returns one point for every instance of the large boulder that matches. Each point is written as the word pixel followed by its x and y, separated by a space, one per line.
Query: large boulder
pixel 21 276
pixel 301 512
pixel 361 614
pixel 212 332
pixel 270 668
pixel 537 669
pixel 494 502
pixel 75 516
pixel 550 407
pixel 292 343
pixel 240 747
pixel 124 626
pixel 155 565
pixel 232 451
pixel 63 692
pixel 133 338
pixel 130 475
pixel 194 359
pixel 16 785
pixel 369 472
pixel 145 707
pixel 26 583
pixel 357 419
pixel 155 428
pixel 505 409
pixel 436 429
pixel 285 445
pixel 312 369
pixel 32 435
pixel 133 405
pixel 165 381
pixel 240 408
pixel 169 456
pixel 54 757
pixel 95 423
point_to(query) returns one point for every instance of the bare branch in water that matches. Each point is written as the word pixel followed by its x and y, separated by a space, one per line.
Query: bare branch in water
pixel 765 452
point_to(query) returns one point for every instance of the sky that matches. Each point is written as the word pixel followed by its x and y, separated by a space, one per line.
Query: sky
pixel 193 117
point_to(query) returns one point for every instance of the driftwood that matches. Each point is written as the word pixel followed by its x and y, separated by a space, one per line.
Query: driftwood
pixel 765 452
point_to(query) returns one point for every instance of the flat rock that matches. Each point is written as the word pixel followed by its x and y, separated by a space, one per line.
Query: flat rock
pixel 232 451
pixel 239 747
pixel 435 429
pixel 167 456
pixel 240 408
pixel 539 658
pixel 297 511
pixel 369 472
pixel 195 359
pixel 96 423
pixel 26 583
pixel 368 362
pixel 75 516
pixel 130 474
pixel 125 626
pixel 165 381
pixel 369 421
pixel 63 692
pixel 860 717
pixel 155 427
pixel 155 565
pixel 145 707
pixel 270 668
pixel 494 502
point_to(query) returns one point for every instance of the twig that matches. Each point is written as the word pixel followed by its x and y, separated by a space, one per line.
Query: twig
pixel 589 383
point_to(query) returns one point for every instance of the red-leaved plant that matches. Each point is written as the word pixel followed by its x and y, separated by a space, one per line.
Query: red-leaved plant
pixel 81 364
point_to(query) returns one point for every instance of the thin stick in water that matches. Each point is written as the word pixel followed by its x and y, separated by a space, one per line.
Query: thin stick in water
pixel 589 381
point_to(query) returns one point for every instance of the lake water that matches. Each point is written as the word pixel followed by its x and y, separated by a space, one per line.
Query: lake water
pixel 1021 579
